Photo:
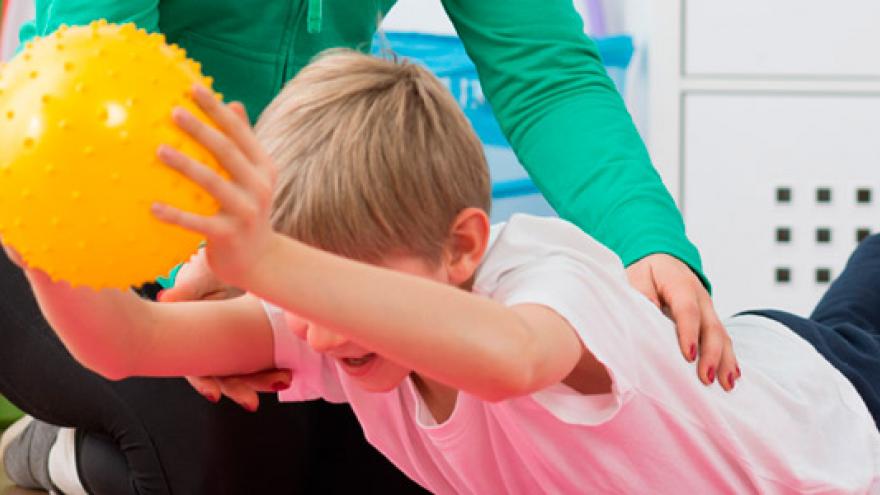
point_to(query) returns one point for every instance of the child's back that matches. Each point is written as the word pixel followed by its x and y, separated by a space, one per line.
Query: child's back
pixel 794 425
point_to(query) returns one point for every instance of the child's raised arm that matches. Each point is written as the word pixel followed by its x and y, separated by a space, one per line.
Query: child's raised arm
pixel 448 334
pixel 117 334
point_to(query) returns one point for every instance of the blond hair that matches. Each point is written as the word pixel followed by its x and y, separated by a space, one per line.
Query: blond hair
pixel 374 158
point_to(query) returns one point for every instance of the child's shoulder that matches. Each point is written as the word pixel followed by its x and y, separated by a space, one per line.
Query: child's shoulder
pixel 528 240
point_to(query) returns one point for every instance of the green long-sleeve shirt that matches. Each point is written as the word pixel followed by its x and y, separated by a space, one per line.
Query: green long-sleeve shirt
pixel 541 74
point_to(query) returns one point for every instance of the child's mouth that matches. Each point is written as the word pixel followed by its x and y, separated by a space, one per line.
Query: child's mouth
pixel 358 365
pixel 358 361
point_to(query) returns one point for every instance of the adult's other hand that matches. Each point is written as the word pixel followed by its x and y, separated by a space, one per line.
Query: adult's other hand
pixel 674 288
pixel 196 282
pixel 242 389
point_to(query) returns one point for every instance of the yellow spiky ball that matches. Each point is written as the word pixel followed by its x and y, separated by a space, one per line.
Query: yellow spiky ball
pixel 82 113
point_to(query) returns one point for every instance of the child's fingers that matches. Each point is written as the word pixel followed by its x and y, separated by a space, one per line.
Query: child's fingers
pixel 229 197
pixel 232 125
pixel 210 227
pixel 238 109
pixel 224 150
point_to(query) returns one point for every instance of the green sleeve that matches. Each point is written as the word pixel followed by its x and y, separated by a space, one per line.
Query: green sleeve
pixel 568 125
pixel 50 14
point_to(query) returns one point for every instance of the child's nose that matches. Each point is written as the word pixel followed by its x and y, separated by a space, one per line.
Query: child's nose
pixel 322 340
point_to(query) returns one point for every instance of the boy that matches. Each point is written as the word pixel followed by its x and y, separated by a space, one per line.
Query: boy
pixel 515 359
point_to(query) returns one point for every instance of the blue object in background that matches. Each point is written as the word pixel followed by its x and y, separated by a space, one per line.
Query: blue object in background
pixel 512 190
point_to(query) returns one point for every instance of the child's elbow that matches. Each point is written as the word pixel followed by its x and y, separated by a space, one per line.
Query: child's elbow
pixel 114 374
pixel 516 380
pixel 114 367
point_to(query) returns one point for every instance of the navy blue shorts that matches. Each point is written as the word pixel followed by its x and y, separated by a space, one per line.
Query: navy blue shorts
pixel 845 326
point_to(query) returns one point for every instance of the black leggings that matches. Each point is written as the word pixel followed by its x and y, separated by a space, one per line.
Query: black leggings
pixel 145 436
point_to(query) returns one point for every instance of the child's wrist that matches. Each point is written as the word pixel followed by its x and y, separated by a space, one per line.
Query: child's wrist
pixel 268 261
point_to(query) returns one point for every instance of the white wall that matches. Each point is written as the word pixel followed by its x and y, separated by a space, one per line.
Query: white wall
pixel 427 16
pixel 623 16
pixel 421 16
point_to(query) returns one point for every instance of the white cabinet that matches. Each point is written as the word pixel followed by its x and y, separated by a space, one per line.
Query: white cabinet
pixel 809 38
pixel 765 125
pixel 777 190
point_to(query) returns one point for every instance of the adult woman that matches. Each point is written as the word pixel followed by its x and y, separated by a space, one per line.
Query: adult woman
pixel 560 112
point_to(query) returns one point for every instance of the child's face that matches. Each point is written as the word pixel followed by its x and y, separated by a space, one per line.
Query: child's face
pixel 369 370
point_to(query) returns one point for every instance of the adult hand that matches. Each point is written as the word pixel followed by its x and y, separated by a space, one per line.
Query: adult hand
pixel 674 288
pixel 196 282
pixel 242 389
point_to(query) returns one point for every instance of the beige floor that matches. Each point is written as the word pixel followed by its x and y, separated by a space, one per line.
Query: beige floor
pixel 7 488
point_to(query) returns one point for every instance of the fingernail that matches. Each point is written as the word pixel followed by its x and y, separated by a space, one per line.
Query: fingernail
pixel 738 372
pixel 211 397
pixel 250 407
pixel 692 354
pixel 159 295
pixel 710 375
pixel 730 381
pixel 279 386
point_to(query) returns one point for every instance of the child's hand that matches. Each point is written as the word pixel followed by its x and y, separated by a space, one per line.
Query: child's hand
pixel 240 234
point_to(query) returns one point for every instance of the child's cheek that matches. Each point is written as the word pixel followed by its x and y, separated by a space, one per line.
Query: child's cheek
pixel 296 326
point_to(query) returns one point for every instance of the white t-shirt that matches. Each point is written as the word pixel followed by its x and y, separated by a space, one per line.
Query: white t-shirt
pixel 793 423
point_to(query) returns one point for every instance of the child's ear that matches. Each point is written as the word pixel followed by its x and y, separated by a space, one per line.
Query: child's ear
pixel 468 239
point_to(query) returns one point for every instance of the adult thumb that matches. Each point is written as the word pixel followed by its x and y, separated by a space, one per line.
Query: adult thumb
pixel 183 290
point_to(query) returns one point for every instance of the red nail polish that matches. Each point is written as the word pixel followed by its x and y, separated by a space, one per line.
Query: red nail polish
pixel 693 352
pixel 730 380
pixel 279 386
pixel 710 375
pixel 738 372
pixel 213 398
pixel 159 295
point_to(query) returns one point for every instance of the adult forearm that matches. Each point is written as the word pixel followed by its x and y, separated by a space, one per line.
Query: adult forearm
pixel 569 126
pixel 599 176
